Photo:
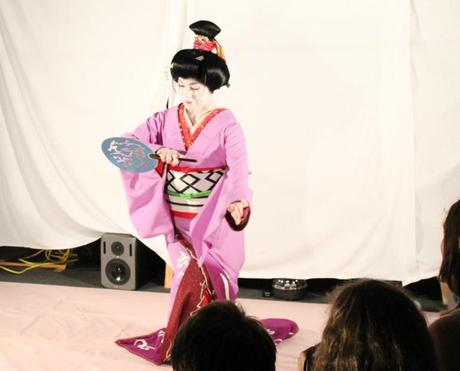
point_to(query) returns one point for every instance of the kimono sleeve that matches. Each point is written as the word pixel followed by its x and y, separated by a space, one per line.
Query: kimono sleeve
pixel 237 187
pixel 144 191
pixel 150 131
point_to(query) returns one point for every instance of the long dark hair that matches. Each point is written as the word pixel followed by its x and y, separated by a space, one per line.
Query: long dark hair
pixel 450 266
pixel 203 66
pixel 374 326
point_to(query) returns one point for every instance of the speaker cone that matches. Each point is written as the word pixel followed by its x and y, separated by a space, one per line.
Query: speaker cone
pixel 117 248
pixel 117 271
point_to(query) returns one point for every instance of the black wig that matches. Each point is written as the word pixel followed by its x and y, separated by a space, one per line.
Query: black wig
pixel 203 66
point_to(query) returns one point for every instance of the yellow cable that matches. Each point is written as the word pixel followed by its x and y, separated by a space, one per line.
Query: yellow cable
pixel 34 255
pixel 51 257
pixel 24 270
pixel 15 272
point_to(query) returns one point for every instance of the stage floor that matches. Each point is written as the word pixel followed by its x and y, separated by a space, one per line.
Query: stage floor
pixel 55 328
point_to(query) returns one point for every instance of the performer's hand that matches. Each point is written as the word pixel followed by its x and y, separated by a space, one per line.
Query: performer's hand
pixel 169 156
pixel 236 210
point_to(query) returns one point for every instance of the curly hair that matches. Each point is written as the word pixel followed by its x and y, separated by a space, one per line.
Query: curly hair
pixel 374 326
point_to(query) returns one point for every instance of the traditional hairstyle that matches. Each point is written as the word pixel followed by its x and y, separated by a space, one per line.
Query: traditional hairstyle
pixel 450 266
pixel 374 326
pixel 221 337
pixel 200 63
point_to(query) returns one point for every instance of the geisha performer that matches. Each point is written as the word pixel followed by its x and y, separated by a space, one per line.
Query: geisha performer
pixel 200 207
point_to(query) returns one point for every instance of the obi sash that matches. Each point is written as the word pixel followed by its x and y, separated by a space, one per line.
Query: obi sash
pixel 188 189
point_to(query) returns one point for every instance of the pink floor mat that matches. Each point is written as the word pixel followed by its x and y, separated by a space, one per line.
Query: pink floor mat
pixel 45 327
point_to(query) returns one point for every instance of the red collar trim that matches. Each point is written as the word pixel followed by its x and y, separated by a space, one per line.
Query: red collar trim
pixel 186 136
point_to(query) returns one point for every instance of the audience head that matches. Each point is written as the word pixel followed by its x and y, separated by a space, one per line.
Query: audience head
pixel 220 337
pixel 374 326
pixel 450 266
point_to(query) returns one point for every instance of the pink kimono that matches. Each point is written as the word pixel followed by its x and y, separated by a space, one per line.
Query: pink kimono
pixel 188 204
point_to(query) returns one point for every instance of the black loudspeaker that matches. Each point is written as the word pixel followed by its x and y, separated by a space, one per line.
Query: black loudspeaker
pixel 126 263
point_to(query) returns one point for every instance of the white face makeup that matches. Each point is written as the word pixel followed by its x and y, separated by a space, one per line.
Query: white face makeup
pixel 196 96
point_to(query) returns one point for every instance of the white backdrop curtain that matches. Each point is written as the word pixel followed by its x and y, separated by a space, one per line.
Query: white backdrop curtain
pixel 351 112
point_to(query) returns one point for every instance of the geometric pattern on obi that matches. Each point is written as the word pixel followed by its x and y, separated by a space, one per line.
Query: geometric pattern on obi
pixel 188 189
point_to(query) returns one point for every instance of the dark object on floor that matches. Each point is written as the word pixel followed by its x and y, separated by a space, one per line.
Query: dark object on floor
pixel 430 288
pixel 267 293
pixel 13 253
pixel 126 263
pixel 289 289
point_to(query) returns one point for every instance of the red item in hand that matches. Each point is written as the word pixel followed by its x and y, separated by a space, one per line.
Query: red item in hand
pixel 244 219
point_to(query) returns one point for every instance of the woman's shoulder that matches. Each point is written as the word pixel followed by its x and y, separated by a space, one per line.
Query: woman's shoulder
pixel 166 111
pixel 171 110
pixel 229 121
pixel 228 114
pixel 448 321
pixel 160 117
pixel 306 358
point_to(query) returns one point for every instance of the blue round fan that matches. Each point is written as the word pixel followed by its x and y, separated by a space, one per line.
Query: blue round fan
pixel 129 154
